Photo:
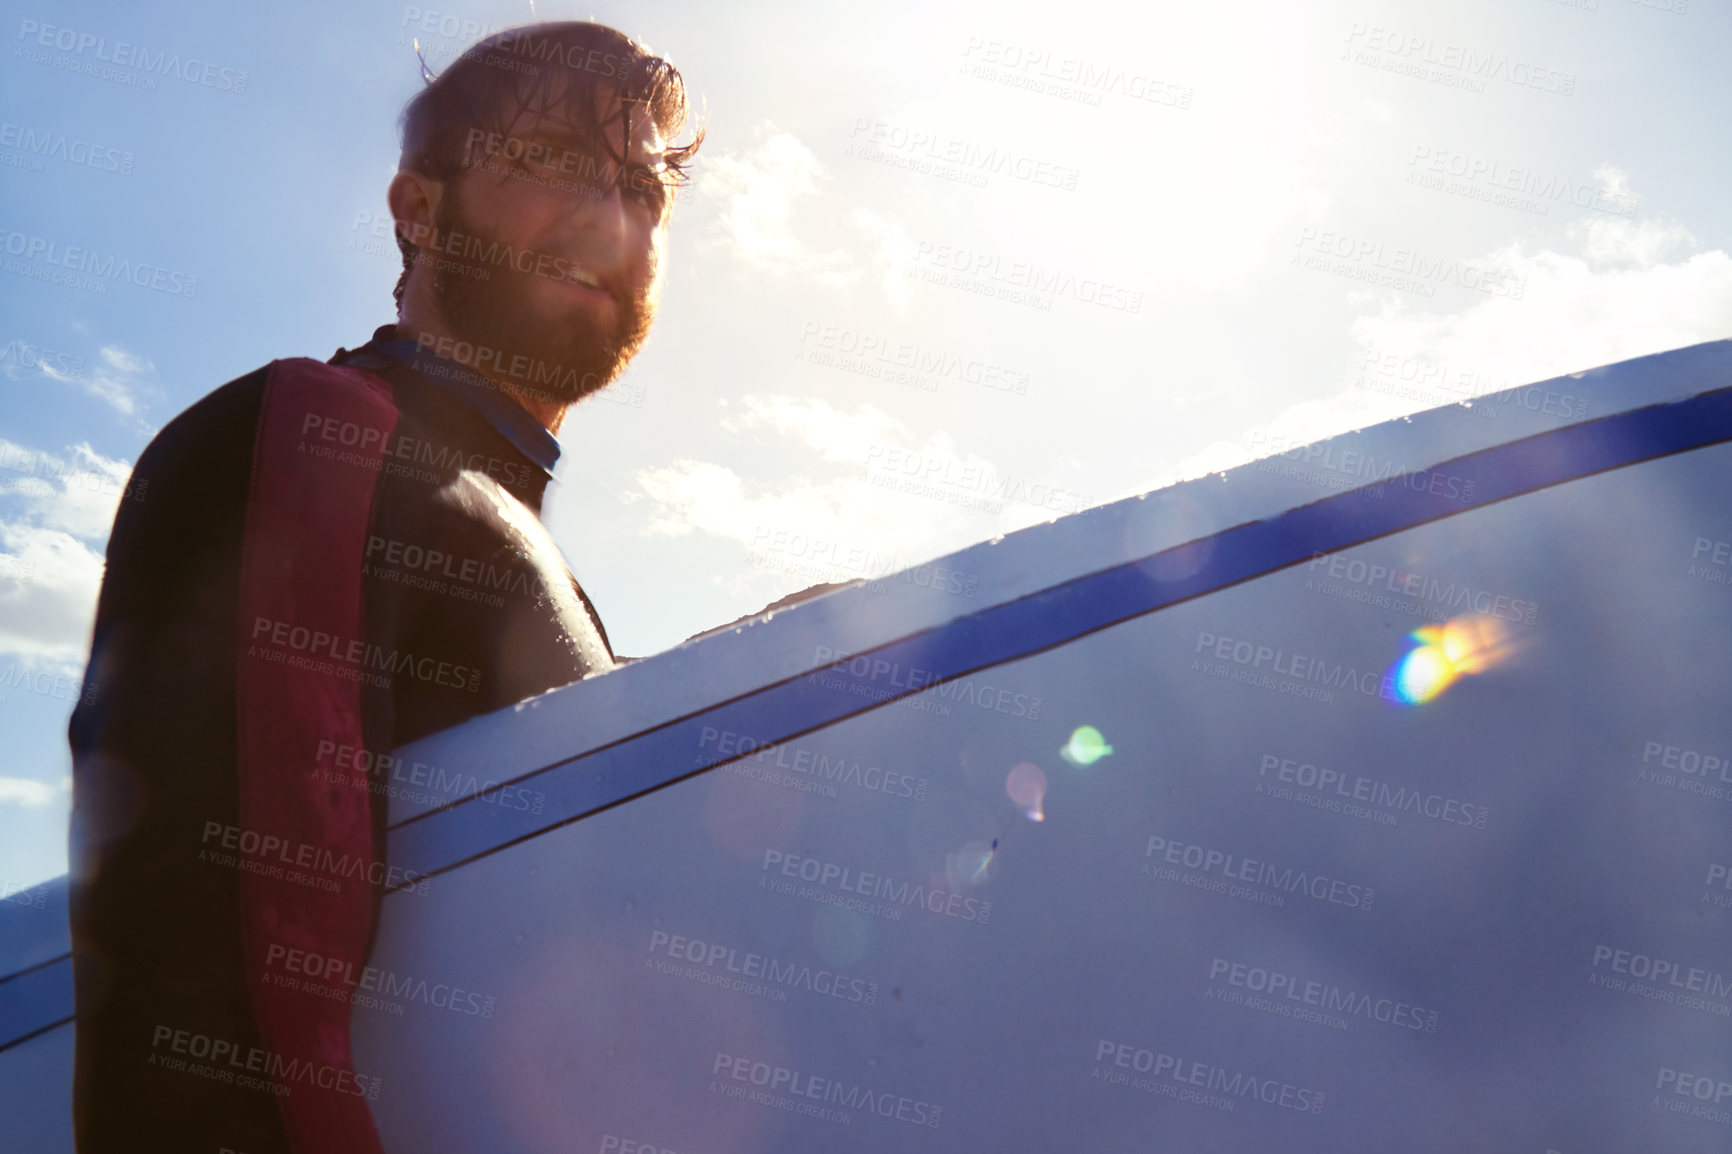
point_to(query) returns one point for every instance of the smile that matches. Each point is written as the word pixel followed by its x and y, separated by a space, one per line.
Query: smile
pixel 582 276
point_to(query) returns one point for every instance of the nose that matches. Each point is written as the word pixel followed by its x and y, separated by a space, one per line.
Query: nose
pixel 611 228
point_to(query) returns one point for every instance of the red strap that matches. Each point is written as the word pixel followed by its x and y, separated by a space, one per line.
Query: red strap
pixel 322 435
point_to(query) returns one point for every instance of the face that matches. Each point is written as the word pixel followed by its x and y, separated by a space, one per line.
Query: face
pixel 574 280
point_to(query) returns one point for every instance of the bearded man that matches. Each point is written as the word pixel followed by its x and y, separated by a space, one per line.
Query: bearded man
pixel 336 558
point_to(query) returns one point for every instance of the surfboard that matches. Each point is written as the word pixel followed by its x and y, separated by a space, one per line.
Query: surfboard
pixel 1368 795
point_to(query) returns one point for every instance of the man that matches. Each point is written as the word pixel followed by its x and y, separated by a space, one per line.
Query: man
pixel 334 559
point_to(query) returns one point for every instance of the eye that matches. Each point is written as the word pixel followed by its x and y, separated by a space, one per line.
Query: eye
pixel 645 187
pixel 535 166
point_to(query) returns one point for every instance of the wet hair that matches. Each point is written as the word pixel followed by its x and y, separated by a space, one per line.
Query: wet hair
pixel 558 72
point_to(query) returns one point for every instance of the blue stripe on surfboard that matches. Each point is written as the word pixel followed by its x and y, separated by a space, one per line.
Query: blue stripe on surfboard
pixel 599 779
pixel 34 1001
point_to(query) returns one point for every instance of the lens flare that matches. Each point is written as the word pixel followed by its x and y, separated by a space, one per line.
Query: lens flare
pixel 974 864
pixel 1443 653
pixel 1085 747
pixel 1026 785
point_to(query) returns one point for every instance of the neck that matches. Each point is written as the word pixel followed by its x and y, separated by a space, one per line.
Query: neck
pixel 422 324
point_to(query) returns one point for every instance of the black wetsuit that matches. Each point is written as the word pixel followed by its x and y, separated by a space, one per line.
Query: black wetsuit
pixel 323 561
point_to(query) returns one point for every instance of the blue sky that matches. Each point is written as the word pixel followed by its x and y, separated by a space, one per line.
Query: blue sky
pixel 947 270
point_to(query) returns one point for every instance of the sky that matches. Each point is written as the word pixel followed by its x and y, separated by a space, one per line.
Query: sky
pixel 946 270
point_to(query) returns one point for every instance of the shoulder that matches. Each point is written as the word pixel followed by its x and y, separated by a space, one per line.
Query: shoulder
pixel 192 475
pixel 310 396
pixel 200 467
pixel 219 423
pixel 336 404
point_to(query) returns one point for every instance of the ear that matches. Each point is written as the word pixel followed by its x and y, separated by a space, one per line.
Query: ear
pixel 414 200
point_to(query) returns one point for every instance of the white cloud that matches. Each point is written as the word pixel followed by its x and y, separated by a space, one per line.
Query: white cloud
pixel 1619 299
pixel 120 360
pixel 1615 299
pixel 113 379
pixel 1614 241
pixel 893 251
pixel 77 493
pixel 1298 424
pixel 757 191
pixel 50 549
pixel 835 434
pixel 868 510
pixel 49 581
pixel 701 495
pixel 1614 185
pixel 25 792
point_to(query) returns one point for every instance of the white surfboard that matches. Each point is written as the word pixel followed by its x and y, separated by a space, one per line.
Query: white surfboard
pixel 1368 796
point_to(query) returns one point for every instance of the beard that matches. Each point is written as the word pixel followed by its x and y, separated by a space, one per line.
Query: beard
pixel 490 309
